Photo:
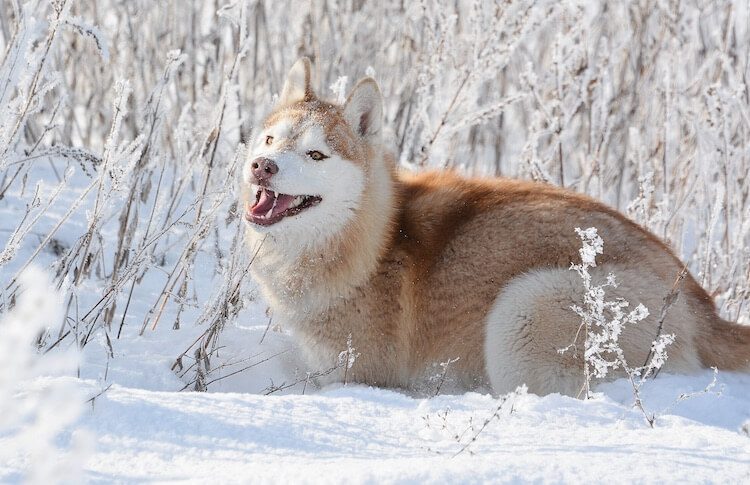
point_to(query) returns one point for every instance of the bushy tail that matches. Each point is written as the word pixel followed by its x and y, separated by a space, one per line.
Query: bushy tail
pixel 726 345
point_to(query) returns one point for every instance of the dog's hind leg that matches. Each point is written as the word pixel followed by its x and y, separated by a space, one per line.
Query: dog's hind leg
pixel 532 319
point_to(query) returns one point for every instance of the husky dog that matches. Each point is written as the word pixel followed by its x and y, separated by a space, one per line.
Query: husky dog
pixel 423 269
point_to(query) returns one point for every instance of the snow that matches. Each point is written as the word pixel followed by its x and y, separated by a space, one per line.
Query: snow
pixel 118 412
pixel 356 434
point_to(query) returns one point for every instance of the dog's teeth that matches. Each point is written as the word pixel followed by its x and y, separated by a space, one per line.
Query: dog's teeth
pixel 298 200
pixel 270 211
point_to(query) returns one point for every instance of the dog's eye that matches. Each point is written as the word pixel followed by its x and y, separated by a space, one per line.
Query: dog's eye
pixel 269 140
pixel 316 155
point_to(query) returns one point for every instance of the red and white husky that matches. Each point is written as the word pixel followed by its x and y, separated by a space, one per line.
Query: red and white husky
pixel 422 269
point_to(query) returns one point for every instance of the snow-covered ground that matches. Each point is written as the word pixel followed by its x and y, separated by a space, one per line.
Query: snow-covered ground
pixel 356 434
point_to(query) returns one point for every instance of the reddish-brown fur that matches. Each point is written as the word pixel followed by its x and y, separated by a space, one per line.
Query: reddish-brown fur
pixel 415 273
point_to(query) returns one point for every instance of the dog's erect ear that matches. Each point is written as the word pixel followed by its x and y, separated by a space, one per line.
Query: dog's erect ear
pixel 298 84
pixel 364 108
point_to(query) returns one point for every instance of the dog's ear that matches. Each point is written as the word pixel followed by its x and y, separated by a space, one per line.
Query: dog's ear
pixel 364 108
pixel 298 84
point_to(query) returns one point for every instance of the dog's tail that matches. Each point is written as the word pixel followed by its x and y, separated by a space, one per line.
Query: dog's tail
pixel 725 345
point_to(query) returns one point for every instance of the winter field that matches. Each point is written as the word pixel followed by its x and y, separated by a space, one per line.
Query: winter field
pixel 133 347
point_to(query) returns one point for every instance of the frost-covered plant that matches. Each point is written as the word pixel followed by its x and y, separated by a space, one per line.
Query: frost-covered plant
pixel 602 323
pixel 36 411
pixel 346 358
pixel 440 378
pixel 466 434
pixel 602 320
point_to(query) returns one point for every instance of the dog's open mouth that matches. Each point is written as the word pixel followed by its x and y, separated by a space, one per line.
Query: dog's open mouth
pixel 270 207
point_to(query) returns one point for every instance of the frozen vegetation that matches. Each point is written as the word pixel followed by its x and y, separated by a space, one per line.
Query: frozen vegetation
pixel 122 267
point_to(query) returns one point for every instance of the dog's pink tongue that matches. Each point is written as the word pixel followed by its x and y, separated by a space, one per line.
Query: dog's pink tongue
pixel 264 204
pixel 273 202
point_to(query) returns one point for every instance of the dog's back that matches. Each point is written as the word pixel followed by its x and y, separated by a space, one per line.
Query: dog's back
pixel 489 263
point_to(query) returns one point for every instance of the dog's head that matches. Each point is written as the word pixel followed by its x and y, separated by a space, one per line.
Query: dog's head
pixel 307 169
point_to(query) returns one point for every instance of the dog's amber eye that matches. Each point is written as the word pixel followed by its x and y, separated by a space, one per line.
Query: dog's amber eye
pixel 316 155
pixel 269 140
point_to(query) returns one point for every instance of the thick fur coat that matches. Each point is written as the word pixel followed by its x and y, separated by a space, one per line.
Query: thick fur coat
pixel 423 269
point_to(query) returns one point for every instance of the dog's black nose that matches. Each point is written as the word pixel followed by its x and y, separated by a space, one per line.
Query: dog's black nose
pixel 263 168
